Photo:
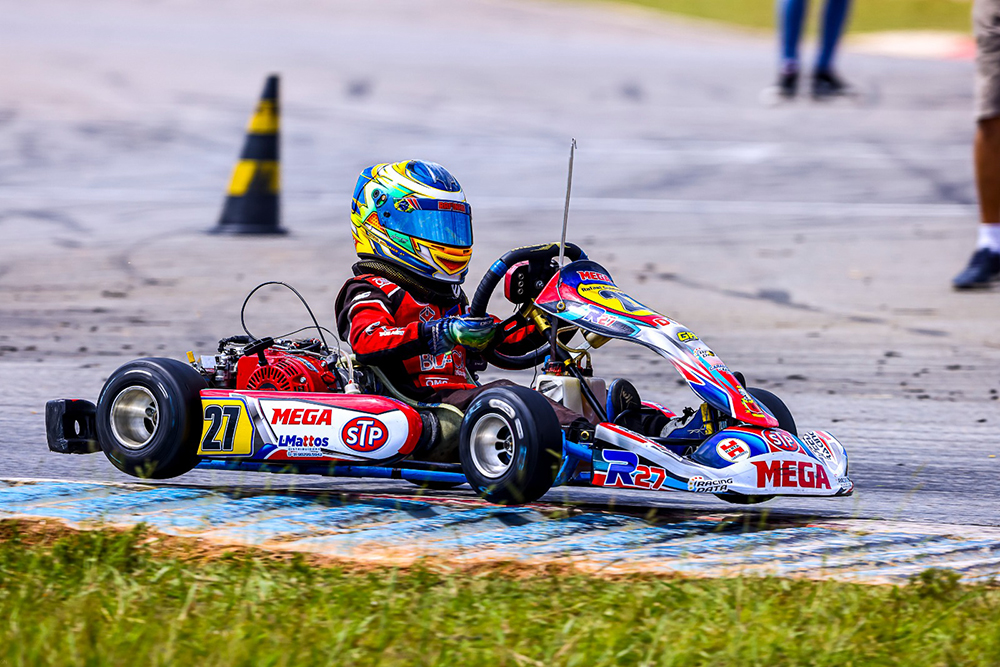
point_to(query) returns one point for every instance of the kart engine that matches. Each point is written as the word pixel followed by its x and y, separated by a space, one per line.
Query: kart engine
pixel 283 372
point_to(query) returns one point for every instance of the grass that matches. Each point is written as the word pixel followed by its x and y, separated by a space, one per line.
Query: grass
pixel 129 598
pixel 866 15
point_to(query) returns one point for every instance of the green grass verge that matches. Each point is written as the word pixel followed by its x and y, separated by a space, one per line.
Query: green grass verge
pixel 112 598
pixel 870 16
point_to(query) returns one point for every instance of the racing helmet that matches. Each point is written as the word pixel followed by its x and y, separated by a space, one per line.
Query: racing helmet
pixel 413 214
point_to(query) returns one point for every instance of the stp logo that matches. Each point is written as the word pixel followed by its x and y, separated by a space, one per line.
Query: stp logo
pixel 364 434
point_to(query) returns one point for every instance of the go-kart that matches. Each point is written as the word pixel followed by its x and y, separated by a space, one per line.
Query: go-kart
pixel 278 405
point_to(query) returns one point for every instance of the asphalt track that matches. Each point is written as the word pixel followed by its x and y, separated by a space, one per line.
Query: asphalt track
pixel 810 245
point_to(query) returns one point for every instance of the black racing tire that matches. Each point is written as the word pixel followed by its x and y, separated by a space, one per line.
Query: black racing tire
pixel 149 417
pixel 777 408
pixel 785 422
pixel 510 445
pixel 436 486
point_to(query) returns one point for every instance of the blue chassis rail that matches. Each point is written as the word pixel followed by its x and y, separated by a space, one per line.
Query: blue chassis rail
pixel 573 455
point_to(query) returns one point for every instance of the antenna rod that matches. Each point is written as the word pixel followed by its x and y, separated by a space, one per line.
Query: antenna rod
pixel 569 189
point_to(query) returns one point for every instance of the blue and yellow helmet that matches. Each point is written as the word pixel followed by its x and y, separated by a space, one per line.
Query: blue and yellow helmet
pixel 413 214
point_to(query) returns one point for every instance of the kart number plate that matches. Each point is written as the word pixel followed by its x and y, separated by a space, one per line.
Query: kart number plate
pixel 227 429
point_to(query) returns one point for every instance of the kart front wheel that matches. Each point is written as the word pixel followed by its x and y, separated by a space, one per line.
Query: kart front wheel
pixel 149 417
pixel 777 408
pixel 510 445
pixel 781 412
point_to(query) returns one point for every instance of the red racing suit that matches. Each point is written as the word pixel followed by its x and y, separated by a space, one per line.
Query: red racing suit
pixel 381 313
pixel 382 321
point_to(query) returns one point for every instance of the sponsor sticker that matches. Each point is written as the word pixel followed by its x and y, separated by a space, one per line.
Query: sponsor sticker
pixel 364 434
pixel 781 441
pixel 733 449
pixel 686 336
pixel 817 446
pixel 699 484
pixel 791 475
pixel 594 276
pixel 302 416
pixel 622 470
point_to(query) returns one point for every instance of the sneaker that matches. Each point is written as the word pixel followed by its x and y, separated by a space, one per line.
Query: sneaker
pixel 788 84
pixel 826 84
pixel 983 269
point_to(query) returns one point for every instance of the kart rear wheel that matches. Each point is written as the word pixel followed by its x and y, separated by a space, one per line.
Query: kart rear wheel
pixel 510 445
pixel 149 417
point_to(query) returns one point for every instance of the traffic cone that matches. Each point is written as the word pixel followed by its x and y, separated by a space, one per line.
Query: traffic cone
pixel 253 202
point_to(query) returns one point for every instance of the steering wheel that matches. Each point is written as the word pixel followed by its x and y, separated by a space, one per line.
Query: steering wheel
pixel 542 254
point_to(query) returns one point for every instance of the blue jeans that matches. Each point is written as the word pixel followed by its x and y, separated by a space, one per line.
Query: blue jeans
pixel 792 14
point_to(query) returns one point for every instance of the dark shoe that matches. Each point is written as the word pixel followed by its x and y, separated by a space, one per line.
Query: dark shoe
pixel 622 397
pixel 826 84
pixel 983 269
pixel 788 84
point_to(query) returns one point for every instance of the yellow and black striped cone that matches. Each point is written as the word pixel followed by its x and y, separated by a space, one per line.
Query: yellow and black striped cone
pixel 253 203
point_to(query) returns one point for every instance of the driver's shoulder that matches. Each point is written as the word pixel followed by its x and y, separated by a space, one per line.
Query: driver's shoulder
pixel 368 287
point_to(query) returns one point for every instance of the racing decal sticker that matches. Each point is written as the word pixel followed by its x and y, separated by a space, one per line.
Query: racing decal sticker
pixel 781 441
pixel 732 449
pixel 365 434
pixel 699 484
pixel 780 474
pixel 619 469
pixel 303 429
pixel 614 299
pixel 817 445
pixel 594 276
pixel 227 429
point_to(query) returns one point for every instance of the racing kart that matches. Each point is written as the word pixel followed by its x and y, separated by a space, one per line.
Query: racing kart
pixel 281 405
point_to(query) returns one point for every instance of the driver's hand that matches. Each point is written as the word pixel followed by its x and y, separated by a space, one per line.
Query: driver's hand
pixel 472 332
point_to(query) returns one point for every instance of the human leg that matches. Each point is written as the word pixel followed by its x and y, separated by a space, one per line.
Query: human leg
pixel 825 82
pixel 984 266
pixel 791 17
pixel 834 18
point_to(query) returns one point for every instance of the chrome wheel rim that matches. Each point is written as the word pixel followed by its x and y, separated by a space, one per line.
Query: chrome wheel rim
pixel 135 417
pixel 492 446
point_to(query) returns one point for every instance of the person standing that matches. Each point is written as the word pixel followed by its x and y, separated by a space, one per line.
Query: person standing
pixel 825 82
pixel 984 267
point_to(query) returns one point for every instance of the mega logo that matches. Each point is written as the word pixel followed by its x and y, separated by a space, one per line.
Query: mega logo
pixel 364 434
pixel 302 441
pixel 791 475
pixel 302 416
pixel 594 276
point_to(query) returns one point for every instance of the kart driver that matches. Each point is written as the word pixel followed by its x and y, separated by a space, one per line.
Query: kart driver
pixel 405 311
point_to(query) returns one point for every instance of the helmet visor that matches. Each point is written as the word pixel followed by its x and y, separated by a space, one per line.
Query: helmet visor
pixel 433 220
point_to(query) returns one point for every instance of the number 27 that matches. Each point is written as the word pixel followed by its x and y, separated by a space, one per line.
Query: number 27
pixel 218 414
